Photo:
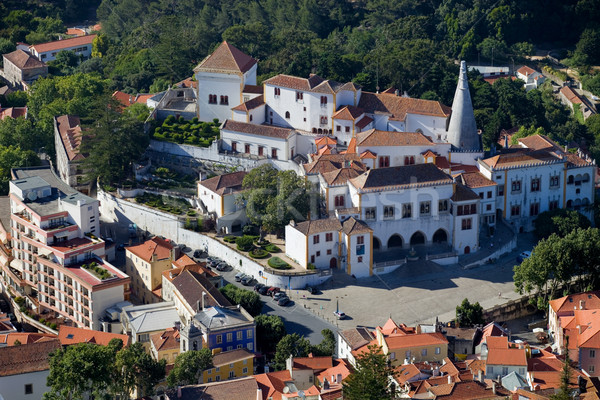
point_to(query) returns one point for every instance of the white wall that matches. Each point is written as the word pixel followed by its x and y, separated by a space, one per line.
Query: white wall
pixel 360 269
pixel 434 127
pixel 298 251
pixel 51 55
pixel 283 146
pixel 12 387
pixel 103 299
pixel 219 84
pixel 466 158
pixel 304 114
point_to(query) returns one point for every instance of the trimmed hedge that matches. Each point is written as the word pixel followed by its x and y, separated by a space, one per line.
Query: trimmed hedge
pixel 259 253
pixel 271 248
pixel 278 263
pixel 244 243
pixel 229 239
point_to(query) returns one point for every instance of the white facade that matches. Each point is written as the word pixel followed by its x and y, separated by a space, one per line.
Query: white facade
pixel 299 251
pixel 259 145
pixel 358 249
pixel 219 85
pixel 81 46
pixel 14 387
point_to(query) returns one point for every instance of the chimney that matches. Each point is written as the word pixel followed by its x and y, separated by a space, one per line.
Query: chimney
pixel 259 395
pixel 582 304
pixel 579 329
pixel 494 387
pixel 397 92
pixel 449 379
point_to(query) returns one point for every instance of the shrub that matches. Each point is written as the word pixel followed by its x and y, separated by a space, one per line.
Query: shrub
pixel 263 242
pixel 53 325
pixel 271 248
pixel 311 266
pixel 191 213
pixel 43 320
pixel 244 243
pixel 19 300
pixel 259 253
pixel 278 263
pixel 170 119
pixel 229 239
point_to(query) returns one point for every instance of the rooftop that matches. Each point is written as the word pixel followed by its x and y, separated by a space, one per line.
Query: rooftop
pixel 71 335
pixel 258 130
pixel 312 227
pixel 238 389
pixel 357 337
pixel 26 358
pixel 374 138
pixel 151 317
pixel 222 317
pixel 63 44
pixel 226 58
pixel 401 177
pixel 24 60
pixel 232 356
pixel 156 248
pixel 225 184
pixel 166 340
pixel 69 129
pixel 397 106
pixel 192 285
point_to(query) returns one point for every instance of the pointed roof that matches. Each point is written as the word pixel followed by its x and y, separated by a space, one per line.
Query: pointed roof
pixel 226 58
pixel 462 130
pixel 24 60
pixel 324 141
pixel 351 147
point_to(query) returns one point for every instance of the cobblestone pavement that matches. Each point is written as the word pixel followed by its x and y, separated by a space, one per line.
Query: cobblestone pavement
pixel 418 292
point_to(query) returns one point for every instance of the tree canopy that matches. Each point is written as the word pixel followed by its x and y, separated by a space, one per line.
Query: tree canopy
pixel 269 331
pixel 560 221
pixel 469 314
pixel 188 367
pixel 370 380
pixel 248 299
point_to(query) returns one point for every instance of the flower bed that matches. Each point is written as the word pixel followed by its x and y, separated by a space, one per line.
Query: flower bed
pixel 259 253
pixel 278 263
pixel 229 239
pixel 271 248
pixel 194 132
pixel 99 272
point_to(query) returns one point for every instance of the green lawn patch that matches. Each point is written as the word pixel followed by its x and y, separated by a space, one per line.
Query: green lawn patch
pixel 195 133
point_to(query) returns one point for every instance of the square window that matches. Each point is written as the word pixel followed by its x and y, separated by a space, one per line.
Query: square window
pixel 360 259
pixel 29 388
pixel 318 253
pixel 347 129
pixel 425 208
pixel 329 252
pixel 424 352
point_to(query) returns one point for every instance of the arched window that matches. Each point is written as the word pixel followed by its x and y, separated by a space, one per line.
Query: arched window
pixel 250 117
pixel 287 115
pixel 570 180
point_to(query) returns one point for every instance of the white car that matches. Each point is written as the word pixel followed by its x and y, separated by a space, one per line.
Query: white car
pixel 523 256
pixel 339 314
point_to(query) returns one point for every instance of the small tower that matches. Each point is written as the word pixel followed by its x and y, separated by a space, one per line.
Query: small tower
pixel 462 130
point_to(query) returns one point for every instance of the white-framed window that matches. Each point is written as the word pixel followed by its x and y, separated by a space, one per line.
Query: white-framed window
pixel 438 350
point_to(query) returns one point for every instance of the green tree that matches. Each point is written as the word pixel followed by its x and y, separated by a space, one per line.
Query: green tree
pixel 269 331
pixel 291 345
pixel 100 46
pixel 22 133
pixel 587 51
pixel 370 380
pixel 64 63
pixel 137 370
pixel 80 369
pixel 246 298
pixel 12 157
pixel 15 99
pixel 327 345
pixel 469 314
pixel 564 391
pixel 559 221
pixel 138 111
pixel 188 367
pixel 113 143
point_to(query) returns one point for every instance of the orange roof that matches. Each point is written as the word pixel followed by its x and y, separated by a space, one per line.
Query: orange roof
pixel 442 162
pixel 351 147
pixel 568 303
pixel 571 95
pixel 13 112
pixel 156 246
pixel 71 335
pixel 367 154
pixel 69 128
pixel 199 268
pixel 183 261
pixel 272 383
pixel 415 340
pixel 325 150
pixel 525 70
pixel 497 356
pixel 226 58
pixel 373 137
pixel 496 342
pixel 349 113
pixel 403 373
pixel 187 83
pixel 324 141
pixel 583 329
pixel 340 366
pixel 475 180
pixel 521 157
pixel 63 44
pixel 123 98
pixel 399 106
pixel 314 363
pixel 166 340
pixel 539 142
pixel 9 339
pixel 75 32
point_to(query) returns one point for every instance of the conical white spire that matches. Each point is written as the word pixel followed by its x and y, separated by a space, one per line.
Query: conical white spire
pixel 462 130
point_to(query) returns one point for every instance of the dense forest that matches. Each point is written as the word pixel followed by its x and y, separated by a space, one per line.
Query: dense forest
pixel 412 45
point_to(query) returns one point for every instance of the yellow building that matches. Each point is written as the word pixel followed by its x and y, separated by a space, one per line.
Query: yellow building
pixel 401 343
pixel 229 365
pixel 145 264
pixel 165 345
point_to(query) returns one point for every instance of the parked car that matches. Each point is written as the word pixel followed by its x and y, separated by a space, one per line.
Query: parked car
pixel 283 301
pixel 339 314
pixel 273 290
pixel 132 229
pixel 311 290
pixel 239 276
pixel 263 290
pixel 214 262
pixel 247 280
pixel 222 266
pixel 523 256
pixel 258 286
pixel 198 253
pixel 279 295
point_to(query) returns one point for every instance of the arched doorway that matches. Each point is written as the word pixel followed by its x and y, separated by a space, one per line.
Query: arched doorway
pixel 467 250
pixel 376 243
pixel 417 238
pixel 333 262
pixel 440 236
pixel 394 241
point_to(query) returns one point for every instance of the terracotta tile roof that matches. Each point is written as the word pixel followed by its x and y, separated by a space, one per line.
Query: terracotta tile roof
pixel 463 193
pixel 494 329
pixel 340 366
pixel 166 340
pixel 26 358
pixel 142 98
pixel 314 363
pixel 226 58
pixel 9 339
pixel 239 389
pixel 539 142
pixel 368 154
pixel 24 60
pixel 415 340
pixel 525 70
pixel 403 373
pixel 442 162
pixel 123 98
pixel 250 104
pixel 351 147
pixel 315 226
pixel 330 162
pixel 69 128
pixel 497 356
pixel 191 285
pixel 566 303
pixel 226 183
pixel 353 226
pixel 449 368
pixel 476 365
pixel 472 390
pixel 324 141
pixel 154 247
pixel 294 82
pixel 183 261
pixel 348 113
pixel 543 360
pixel 401 177
pixel 253 89
pixel 357 337
pixel 364 121
pixel 259 130
pixel 341 176
pixel 475 180
pixel 13 112
pixel 588 321
pixel 75 32
pixel 571 95
pixel 398 106
pixel 537 395
pixel 199 268
pixel 325 150
pixel 69 335
pixel 521 157
pixel 63 44
pixel 272 383
pixel 231 356
pixel 374 138
pixel 496 342
pixel 455 167
pixel 552 379
pixel 187 83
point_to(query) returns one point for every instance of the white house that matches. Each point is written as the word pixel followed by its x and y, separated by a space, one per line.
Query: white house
pixel 220 193
pixel 350 340
pixel 81 46
pixel 315 242
pixel 486 190
pixel 221 78
pixel 260 141
pixel 532 78
pixel 357 248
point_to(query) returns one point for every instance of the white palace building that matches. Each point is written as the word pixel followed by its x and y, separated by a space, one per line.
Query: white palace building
pixel 395 172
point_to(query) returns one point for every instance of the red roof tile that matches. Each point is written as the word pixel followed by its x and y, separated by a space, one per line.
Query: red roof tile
pixel 349 113
pixel 258 130
pixel 154 247
pixel 475 180
pixel 13 112
pixel 24 60
pixel 375 138
pixel 69 335
pixel 226 183
pixel 399 106
pixel 166 340
pixel 250 104
pixel 571 95
pixel 69 128
pixel 26 358
pixel 227 58
pixel 63 44
pixel 314 363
